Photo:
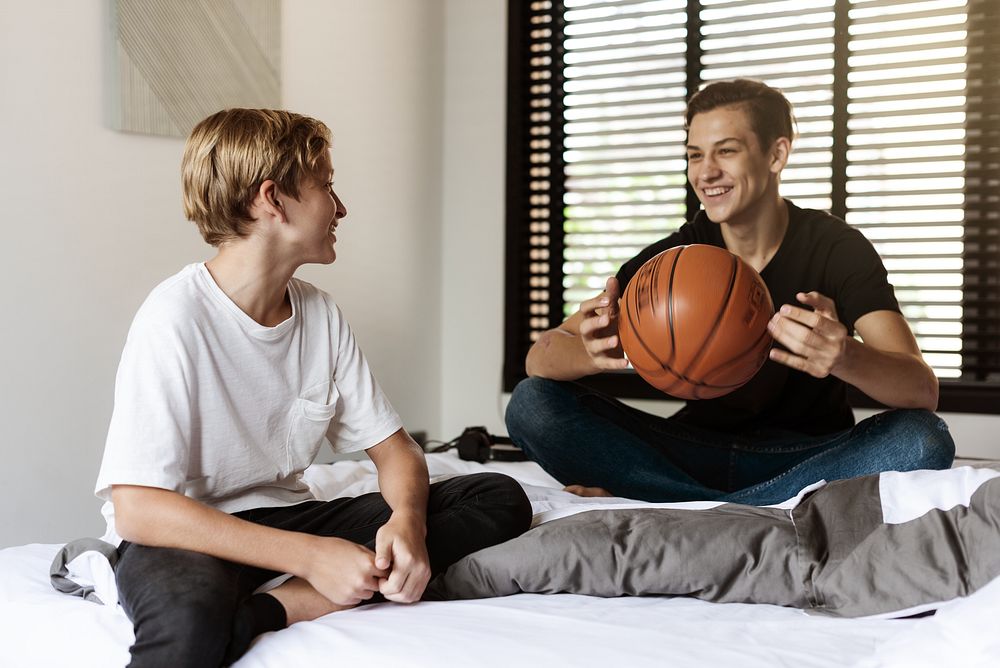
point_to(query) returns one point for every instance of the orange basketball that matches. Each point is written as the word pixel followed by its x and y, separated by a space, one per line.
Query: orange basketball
pixel 694 322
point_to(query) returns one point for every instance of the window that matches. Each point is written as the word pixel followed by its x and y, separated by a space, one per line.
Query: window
pixel 898 111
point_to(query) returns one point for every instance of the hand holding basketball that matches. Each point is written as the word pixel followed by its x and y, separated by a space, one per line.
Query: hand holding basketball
pixel 599 329
pixel 816 340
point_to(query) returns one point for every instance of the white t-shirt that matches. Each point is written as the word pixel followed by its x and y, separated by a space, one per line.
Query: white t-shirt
pixel 213 405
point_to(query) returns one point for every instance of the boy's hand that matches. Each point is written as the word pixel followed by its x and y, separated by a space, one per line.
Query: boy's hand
pixel 599 329
pixel 816 339
pixel 401 548
pixel 344 572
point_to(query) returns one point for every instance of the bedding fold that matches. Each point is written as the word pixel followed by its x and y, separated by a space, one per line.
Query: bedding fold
pixel 831 554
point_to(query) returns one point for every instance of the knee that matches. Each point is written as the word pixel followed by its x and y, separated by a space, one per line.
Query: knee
pixel 191 630
pixel 510 496
pixel 504 500
pixel 923 439
pixel 531 406
pixel 181 605
pixel 527 395
pixel 202 620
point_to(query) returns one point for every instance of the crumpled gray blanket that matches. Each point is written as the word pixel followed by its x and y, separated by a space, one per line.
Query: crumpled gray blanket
pixel 832 554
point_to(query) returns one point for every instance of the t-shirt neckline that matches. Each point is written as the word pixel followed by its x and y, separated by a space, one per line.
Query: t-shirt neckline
pixel 248 324
pixel 785 239
pixel 790 207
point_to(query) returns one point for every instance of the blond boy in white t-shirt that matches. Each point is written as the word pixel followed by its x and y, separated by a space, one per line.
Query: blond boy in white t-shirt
pixel 233 374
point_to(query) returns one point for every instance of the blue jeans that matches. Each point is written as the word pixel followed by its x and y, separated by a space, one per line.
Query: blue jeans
pixel 585 438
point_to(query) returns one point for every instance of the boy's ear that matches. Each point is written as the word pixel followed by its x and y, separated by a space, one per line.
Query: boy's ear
pixel 780 152
pixel 267 202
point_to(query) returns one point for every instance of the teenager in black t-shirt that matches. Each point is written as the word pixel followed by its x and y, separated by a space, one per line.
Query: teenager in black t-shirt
pixel 791 425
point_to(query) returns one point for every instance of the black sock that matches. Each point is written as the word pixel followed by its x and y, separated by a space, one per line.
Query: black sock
pixel 258 614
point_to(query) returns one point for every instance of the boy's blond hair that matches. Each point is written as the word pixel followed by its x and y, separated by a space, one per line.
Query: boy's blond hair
pixel 232 152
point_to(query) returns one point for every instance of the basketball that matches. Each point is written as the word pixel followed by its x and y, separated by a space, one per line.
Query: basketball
pixel 694 320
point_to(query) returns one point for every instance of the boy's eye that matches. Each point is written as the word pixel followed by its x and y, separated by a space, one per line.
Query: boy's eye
pixel 694 156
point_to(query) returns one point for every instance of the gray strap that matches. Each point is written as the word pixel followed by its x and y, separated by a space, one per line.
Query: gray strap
pixel 59 573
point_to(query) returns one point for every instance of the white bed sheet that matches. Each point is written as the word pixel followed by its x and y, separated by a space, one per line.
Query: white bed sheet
pixel 40 627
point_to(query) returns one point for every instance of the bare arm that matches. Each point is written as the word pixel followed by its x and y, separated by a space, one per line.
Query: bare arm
pixel 402 474
pixel 585 344
pixel 401 543
pixel 342 571
pixel 886 365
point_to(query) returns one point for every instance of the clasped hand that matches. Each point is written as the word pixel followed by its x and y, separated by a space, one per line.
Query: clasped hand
pixel 401 549
pixel 347 573
pixel 816 340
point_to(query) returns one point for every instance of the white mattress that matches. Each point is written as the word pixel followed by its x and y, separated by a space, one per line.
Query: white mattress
pixel 41 628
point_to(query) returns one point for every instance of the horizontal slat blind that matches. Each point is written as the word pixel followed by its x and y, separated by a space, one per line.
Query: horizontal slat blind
pixel 537 99
pixel 789 45
pixel 981 335
pixel 907 66
pixel 625 70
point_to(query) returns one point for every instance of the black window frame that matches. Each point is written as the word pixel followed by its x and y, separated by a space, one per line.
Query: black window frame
pixel 981 275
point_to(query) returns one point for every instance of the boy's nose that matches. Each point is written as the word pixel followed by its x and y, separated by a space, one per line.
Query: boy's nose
pixel 709 170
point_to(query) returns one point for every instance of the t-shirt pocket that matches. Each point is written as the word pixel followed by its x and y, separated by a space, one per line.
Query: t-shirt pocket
pixel 309 423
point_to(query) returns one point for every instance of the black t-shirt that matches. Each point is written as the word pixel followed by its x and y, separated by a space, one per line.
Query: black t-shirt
pixel 819 252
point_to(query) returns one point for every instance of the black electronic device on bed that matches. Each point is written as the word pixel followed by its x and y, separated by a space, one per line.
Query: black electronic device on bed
pixel 478 445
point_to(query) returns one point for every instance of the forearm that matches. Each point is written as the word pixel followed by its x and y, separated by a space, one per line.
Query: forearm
pixel 402 475
pixel 898 380
pixel 162 518
pixel 559 355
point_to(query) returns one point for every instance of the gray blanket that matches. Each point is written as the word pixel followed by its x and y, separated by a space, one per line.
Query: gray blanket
pixel 832 554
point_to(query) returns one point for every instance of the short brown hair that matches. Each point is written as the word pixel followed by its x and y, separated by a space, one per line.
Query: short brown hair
pixel 769 110
pixel 232 152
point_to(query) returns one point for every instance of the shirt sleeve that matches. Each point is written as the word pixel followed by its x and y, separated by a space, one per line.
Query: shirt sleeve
pixel 858 281
pixel 149 437
pixel 364 416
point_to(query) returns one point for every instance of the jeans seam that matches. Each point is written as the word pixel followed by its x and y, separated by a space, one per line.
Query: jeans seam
pixel 827 440
pixel 785 449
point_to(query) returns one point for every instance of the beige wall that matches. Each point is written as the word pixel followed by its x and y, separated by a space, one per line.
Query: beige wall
pixel 92 221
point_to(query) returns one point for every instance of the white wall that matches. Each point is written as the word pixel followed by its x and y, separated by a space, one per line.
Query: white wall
pixel 473 238
pixel 475 65
pixel 92 221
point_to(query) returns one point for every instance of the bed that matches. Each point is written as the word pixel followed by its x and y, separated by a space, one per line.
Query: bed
pixel 40 627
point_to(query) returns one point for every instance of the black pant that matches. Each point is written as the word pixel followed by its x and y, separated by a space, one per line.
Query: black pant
pixel 183 604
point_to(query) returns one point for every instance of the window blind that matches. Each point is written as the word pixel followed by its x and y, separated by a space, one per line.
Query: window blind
pixel 625 83
pixel 788 45
pixel 981 271
pixel 906 158
pixel 534 180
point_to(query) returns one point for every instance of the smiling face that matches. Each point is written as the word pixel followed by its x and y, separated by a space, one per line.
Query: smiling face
pixel 314 217
pixel 734 176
